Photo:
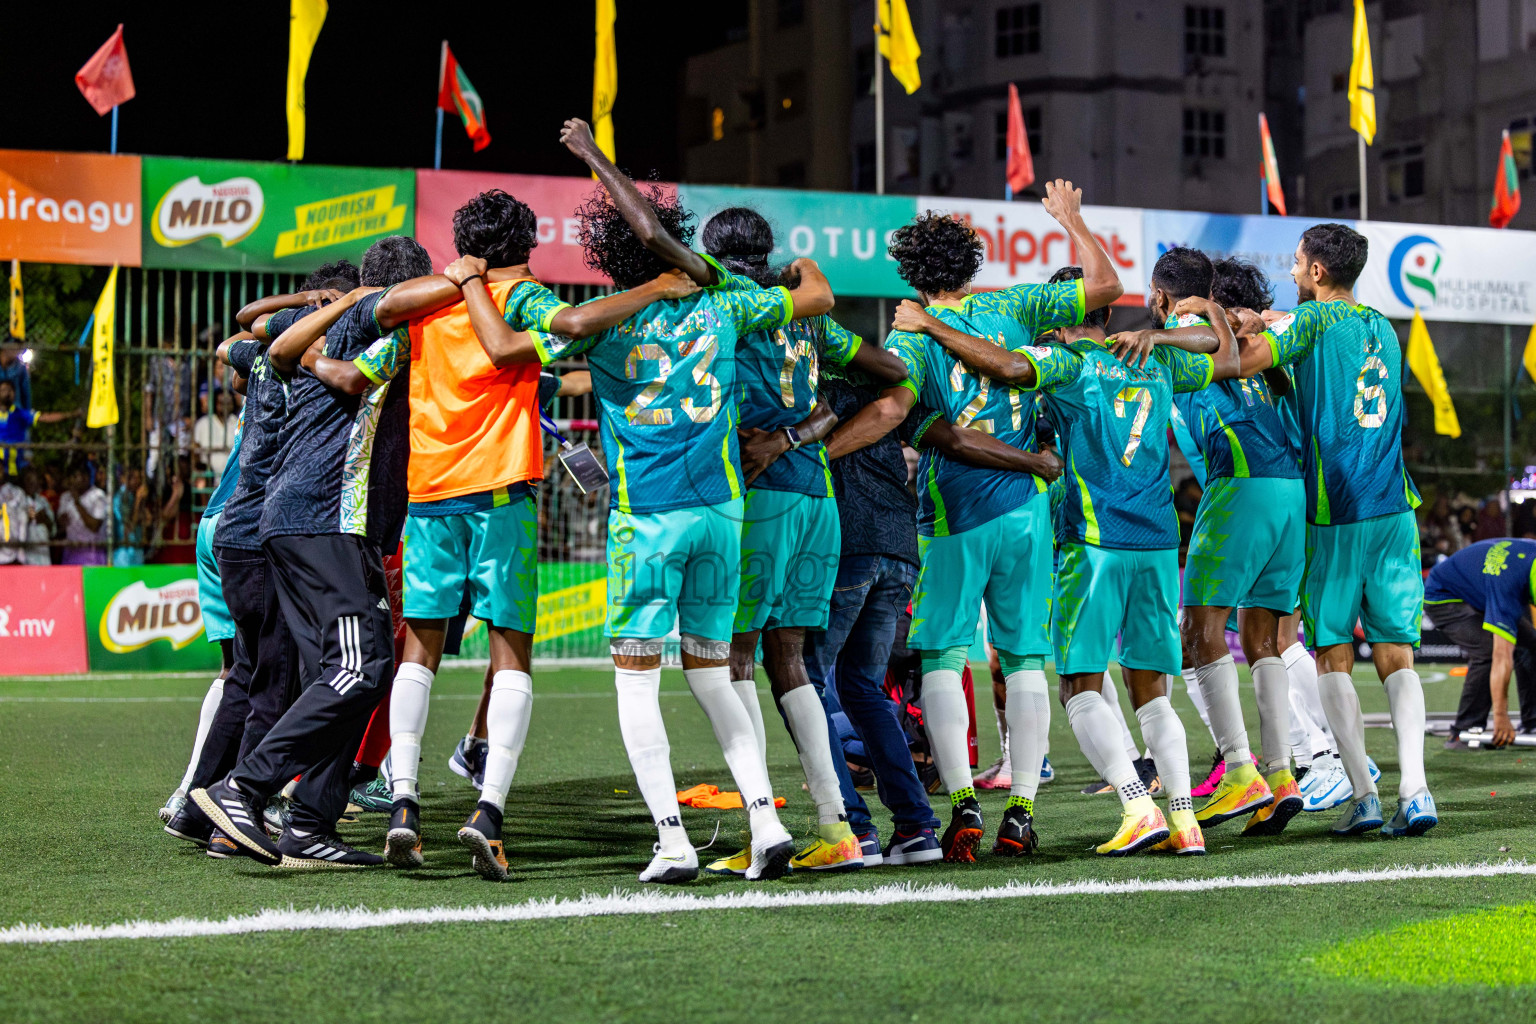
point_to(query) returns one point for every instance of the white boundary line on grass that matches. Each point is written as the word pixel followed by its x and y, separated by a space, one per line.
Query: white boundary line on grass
pixel 602 694
pixel 624 903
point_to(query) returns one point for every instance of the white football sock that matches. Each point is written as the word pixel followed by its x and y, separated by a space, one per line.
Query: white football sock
pixel 1112 699
pixel 720 698
pixel 408 703
pixel 1342 706
pixel 1272 690
pixel 1002 729
pixel 807 720
pixel 1197 698
pixel 1302 668
pixel 1164 733
pixel 1218 684
pixel 746 690
pixel 948 723
pixel 1095 730
pixel 204 722
pixel 1405 696
pixel 650 755
pixel 1029 711
pixel 506 727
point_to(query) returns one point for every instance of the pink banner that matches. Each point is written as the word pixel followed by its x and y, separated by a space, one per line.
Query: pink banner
pixel 42 621
pixel 558 258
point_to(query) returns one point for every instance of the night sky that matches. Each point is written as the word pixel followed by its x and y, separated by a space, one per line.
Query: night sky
pixel 211 79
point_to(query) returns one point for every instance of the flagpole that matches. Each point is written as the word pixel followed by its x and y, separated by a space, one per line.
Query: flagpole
pixel 114 128
pixel 880 146
pixel 1263 172
pixel 437 153
pixel 1509 388
pixel 442 67
pixel 1361 140
pixel 1007 160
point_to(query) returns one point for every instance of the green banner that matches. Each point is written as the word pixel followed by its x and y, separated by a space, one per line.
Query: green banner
pixel 571 611
pixel 146 619
pixel 844 232
pixel 225 214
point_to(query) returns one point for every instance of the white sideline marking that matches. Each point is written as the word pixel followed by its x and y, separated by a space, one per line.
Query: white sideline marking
pixel 623 903
pixel 199 699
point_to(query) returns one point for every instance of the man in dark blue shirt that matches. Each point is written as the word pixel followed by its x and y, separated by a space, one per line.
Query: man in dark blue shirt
pixel 1479 597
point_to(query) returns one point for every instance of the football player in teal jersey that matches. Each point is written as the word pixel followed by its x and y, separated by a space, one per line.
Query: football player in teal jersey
pixel 982 534
pixel 1119 568
pixel 791 536
pixel 1245 553
pixel 1362 539
pixel 665 380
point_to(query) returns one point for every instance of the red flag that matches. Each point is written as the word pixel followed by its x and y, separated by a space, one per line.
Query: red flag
pixel 1506 187
pixel 456 94
pixel 1021 164
pixel 1271 167
pixel 106 79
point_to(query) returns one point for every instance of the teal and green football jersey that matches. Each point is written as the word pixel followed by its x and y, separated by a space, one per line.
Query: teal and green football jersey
pixel 954 497
pixel 1349 393
pixel 1112 429
pixel 1234 425
pixel 531 307
pixel 665 381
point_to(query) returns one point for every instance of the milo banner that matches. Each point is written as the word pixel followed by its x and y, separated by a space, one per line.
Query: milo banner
pixel 222 214
pixel 573 604
pixel 146 618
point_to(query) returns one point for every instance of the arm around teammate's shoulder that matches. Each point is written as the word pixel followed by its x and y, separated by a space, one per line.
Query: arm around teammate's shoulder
pixel 812 296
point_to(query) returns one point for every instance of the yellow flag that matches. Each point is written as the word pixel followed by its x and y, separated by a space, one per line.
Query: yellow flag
pixel 18 315
pixel 1529 359
pixel 898 44
pixel 304 21
pixel 1425 365
pixel 1362 81
pixel 605 79
pixel 103 407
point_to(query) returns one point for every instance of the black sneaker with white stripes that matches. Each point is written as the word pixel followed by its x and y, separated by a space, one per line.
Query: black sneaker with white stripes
pixel 233 814
pixel 309 851
pixel 191 824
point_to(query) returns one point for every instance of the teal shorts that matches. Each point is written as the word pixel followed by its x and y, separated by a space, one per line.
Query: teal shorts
pixel 1369 571
pixel 1249 546
pixel 1102 592
pixel 493 553
pixel 1007 563
pixel 682 566
pixel 790 546
pixel 217 625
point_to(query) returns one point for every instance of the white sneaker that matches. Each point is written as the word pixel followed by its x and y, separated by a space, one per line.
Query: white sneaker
pixel 1327 785
pixel 671 868
pixel 173 806
pixel 771 855
pixel 998 776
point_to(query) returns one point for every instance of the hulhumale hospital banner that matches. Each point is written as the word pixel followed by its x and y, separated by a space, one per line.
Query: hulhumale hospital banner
pixel 222 214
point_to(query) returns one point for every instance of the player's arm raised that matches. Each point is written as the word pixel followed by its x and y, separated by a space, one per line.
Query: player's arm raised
pixel 1101 285
pixel 872 422
pixel 982 356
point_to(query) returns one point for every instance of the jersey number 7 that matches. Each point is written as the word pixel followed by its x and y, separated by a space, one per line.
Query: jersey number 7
pixel 1143 399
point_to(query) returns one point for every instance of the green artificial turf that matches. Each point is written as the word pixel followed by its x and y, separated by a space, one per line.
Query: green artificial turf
pixel 84 771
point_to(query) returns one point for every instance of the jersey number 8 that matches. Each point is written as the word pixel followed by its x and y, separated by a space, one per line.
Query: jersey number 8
pixel 1373 395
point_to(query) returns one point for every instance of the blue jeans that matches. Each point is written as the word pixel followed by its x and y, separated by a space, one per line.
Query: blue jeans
pixel 847 665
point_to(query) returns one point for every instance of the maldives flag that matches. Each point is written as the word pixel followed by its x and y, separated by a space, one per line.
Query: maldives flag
pixel 455 93
pixel 106 79
pixel 1506 187
pixel 1021 163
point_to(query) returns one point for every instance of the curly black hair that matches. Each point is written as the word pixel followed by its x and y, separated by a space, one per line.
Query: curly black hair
pixel 394 259
pixel 1094 317
pixel 497 227
pixel 1238 284
pixel 1341 250
pixel 1182 272
pixel 741 239
pixel 937 253
pixel 611 245
pixel 342 275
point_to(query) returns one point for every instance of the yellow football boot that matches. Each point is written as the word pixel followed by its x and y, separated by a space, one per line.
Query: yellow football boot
pixel 1271 820
pixel 736 864
pixel 844 855
pixel 1141 825
pixel 1241 790
pixel 1185 837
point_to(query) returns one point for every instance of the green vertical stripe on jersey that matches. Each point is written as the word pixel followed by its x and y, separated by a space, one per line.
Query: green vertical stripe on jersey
pixel 1322 517
pixel 623 477
pixel 940 516
pixel 1239 460
pixel 1090 521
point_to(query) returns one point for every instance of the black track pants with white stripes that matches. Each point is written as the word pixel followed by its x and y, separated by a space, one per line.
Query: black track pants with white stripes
pixel 333 595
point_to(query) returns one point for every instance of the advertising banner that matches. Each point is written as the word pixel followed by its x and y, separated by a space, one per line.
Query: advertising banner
pixel 224 214
pixel 1025 245
pixel 1464 274
pixel 573 604
pixel 146 618
pixel 42 622
pixel 69 208
pixel 1267 242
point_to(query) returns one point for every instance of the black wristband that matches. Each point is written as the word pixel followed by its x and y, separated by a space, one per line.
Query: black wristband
pixel 470 278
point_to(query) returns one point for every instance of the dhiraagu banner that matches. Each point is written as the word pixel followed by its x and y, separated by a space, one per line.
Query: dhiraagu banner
pixel 223 214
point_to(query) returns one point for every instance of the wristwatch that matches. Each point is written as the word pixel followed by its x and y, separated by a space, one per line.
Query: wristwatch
pixel 794 438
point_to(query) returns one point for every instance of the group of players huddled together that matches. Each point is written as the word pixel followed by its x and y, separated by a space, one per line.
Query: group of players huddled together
pixel 397 407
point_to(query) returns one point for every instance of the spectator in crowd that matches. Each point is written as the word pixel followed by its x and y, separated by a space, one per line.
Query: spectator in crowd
pixel 1490 518
pixel 41 523
pixel 13 521
pixel 83 513
pixel 129 519
pixel 167 406
pixel 214 431
pixel 15 420
pixel 14 370
pixel 1441 531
